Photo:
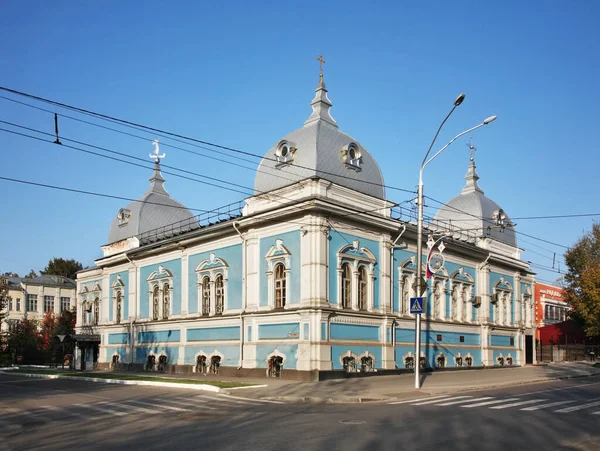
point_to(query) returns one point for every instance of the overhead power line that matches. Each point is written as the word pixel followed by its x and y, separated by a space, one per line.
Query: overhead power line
pixel 177 135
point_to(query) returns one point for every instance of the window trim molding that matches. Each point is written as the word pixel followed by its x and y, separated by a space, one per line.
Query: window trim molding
pixel 211 267
pixel 360 257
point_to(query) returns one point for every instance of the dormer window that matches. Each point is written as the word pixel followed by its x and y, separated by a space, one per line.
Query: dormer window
pixel 285 153
pixel 123 216
pixel 351 156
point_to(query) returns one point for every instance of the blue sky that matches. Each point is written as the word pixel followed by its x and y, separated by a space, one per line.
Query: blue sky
pixel 242 74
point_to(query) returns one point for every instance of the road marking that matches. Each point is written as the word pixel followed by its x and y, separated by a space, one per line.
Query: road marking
pixel 136 408
pixel 66 412
pixel 487 403
pixel 515 404
pixel 434 401
pixel 582 406
pixel 574 387
pixel 186 402
pixel 460 401
pixel 419 399
pixel 268 401
pixel 163 406
pixel 221 400
pixel 101 409
pixel 551 404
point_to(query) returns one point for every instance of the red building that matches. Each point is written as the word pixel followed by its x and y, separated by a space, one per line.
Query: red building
pixel 550 306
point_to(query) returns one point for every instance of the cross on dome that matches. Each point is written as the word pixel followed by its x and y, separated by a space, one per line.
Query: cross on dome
pixel 155 156
pixel 321 62
pixel 472 148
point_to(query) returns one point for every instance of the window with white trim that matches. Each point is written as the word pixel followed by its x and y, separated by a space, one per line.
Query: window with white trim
pixel 32 302
pixel 65 303
pixel 119 307
pixel 160 284
pixel 212 285
pixel 356 277
pixel 461 306
pixel 279 260
pixel 502 298
pixel 96 319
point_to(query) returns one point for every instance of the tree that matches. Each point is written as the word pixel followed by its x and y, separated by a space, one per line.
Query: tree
pixel 62 267
pixel 23 342
pixel 31 274
pixel 582 280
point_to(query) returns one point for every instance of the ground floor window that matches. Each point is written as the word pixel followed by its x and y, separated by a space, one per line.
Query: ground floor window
pixel 150 362
pixel 275 365
pixel 440 361
pixel 469 360
pixel 367 364
pixel 349 364
pixel 115 362
pixel 201 364
pixel 162 362
pixel 215 363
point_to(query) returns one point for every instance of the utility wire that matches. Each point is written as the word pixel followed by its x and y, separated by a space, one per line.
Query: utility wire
pixel 92 193
pixel 171 134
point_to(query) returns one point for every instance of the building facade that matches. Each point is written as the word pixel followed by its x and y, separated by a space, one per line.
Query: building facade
pixel 33 297
pixel 314 273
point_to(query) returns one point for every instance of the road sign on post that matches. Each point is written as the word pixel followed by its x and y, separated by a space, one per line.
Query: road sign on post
pixel 416 305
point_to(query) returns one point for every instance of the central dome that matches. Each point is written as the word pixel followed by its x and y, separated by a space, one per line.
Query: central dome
pixel 320 149
pixel 471 210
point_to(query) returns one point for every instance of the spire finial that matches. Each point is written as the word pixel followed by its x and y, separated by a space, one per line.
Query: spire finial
pixel 472 149
pixel 321 62
pixel 155 156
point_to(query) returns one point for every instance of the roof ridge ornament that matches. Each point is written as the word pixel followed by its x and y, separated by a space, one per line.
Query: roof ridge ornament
pixel 471 177
pixel 157 181
pixel 321 103
pixel 155 156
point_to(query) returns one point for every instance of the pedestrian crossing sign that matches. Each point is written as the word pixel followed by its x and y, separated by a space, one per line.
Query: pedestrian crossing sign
pixel 416 305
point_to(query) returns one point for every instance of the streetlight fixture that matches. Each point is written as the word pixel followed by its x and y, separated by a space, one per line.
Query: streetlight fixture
pixel 425 162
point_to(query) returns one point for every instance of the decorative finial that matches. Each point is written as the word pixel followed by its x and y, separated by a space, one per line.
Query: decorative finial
pixel 472 149
pixel 321 62
pixel 155 156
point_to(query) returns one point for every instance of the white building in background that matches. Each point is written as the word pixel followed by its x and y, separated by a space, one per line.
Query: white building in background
pixel 313 274
pixel 33 297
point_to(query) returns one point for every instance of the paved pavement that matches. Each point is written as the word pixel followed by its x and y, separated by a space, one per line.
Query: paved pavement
pixel 398 387
pixel 65 415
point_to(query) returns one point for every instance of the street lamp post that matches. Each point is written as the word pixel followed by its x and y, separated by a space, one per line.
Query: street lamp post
pixel 425 162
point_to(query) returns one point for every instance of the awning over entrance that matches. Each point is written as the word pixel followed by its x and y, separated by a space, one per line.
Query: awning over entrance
pixel 91 338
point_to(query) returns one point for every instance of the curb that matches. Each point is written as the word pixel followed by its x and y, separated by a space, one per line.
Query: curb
pixel 202 387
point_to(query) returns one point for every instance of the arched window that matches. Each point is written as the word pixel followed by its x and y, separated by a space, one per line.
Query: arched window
pixel 150 362
pixel 162 362
pixel 119 307
pixel 206 295
pixel 455 302
pixel 201 364
pixel 349 364
pixel 366 364
pixel 409 362
pixel 346 286
pixel 215 363
pixel 96 311
pixel 155 303
pixel 219 294
pixel 463 301
pixel 166 301
pixel 280 288
pixel 362 288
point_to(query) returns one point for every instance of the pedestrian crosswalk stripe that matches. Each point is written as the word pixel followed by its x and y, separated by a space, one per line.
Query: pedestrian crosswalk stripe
pixel 420 399
pixel 543 406
pixel 515 404
pixel 434 401
pixel 161 406
pixel 582 406
pixel 460 401
pixel 223 400
pixel 136 408
pixel 102 409
pixel 487 403
pixel 66 412
pixel 187 403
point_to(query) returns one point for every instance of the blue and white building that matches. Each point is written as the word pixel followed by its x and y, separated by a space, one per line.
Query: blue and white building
pixel 311 274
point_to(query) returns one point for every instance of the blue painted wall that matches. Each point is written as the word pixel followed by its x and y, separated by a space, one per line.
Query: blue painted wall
pixel 231 354
pixel 430 336
pixel 161 336
pixel 324 331
pixel 338 240
pixel 291 240
pixel 214 333
pixel 118 339
pixel 353 332
pixel 233 256
pixel 290 352
pixel 431 353
pixel 500 340
pixel 337 351
pixel 124 275
pixel 279 331
pixel 175 267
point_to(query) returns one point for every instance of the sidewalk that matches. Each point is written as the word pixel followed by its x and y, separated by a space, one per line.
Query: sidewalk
pixel 390 388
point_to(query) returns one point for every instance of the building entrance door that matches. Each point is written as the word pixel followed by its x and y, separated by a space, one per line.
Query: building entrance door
pixel 529 349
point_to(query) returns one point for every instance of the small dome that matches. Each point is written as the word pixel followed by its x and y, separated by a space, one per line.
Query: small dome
pixel 153 210
pixel 320 149
pixel 471 210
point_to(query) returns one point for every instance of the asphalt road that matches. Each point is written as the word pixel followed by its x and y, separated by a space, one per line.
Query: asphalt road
pixel 54 414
